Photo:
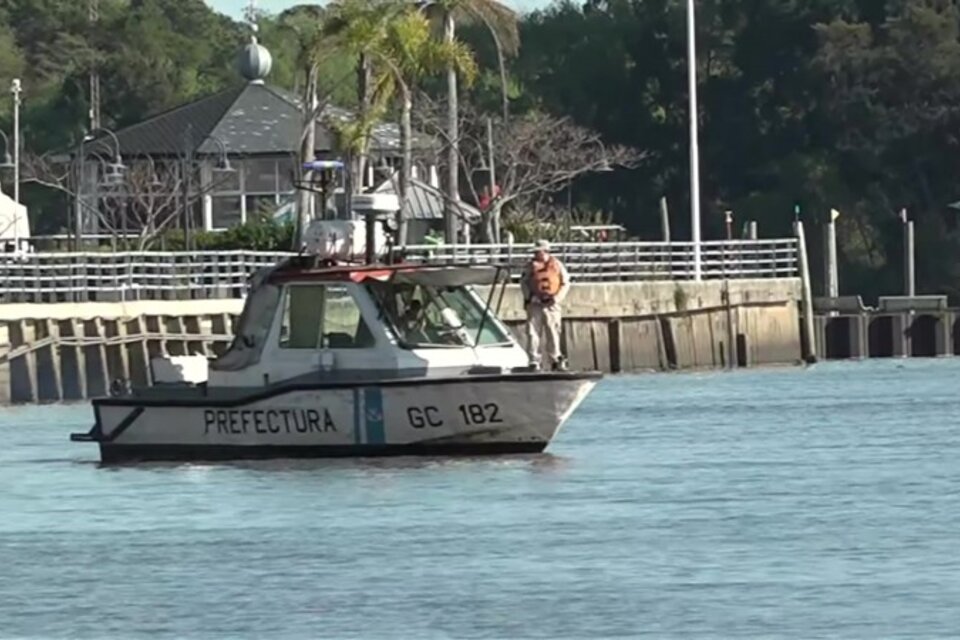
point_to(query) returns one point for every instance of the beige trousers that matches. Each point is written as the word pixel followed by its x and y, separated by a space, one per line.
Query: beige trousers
pixel 545 321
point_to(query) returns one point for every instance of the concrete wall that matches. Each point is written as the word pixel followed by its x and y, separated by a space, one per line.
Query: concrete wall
pixel 51 352
pixel 54 352
pixel 676 325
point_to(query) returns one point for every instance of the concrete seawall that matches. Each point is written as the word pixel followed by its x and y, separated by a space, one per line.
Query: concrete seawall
pixel 622 327
pixel 52 352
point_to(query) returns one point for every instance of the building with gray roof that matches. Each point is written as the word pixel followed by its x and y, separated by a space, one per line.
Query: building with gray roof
pixel 257 128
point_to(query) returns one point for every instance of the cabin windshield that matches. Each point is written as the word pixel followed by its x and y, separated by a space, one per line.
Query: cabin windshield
pixel 436 316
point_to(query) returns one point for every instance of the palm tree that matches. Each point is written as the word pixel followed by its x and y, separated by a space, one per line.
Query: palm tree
pixel 501 22
pixel 314 43
pixel 359 26
pixel 408 52
pixel 394 42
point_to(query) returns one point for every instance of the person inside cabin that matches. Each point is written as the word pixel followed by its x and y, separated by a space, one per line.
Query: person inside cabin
pixel 412 322
pixel 544 283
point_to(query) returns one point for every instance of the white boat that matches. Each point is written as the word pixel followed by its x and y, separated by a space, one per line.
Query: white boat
pixel 339 361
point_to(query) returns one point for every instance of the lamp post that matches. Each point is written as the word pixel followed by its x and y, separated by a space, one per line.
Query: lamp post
pixel 15 89
pixel 188 164
pixel 694 146
pixel 223 162
pixel 7 163
pixel 114 172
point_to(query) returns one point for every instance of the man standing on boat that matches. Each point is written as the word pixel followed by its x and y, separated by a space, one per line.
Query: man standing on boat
pixel 544 284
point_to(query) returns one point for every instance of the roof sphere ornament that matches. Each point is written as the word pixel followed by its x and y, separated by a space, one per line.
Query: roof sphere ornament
pixel 255 61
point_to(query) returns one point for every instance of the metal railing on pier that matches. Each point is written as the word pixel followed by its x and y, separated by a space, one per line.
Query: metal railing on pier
pixel 633 261
pixel 123 276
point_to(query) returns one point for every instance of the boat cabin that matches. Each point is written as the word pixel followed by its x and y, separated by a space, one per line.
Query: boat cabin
pixel 367 322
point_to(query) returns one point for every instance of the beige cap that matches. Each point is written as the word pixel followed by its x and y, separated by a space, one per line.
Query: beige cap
pixel 542 245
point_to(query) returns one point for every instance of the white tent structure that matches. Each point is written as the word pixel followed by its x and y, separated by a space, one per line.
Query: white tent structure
pixel 14 224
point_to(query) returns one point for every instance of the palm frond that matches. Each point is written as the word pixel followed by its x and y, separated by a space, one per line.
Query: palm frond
pixel 500 20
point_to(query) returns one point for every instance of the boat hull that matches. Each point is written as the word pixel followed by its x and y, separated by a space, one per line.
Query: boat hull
pixel 463 415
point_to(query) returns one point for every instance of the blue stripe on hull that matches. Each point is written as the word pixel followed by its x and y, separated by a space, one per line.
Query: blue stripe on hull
pixel 357 410
pixel 373 414
pixel 116 453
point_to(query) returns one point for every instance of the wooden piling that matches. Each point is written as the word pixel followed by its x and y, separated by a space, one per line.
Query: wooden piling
pixel 615 340
pixel 73 360
pixel 138 357
pixel 23 363
pixel 731 359
pixel 5 378
pixel 102 348
pixel 49 381
pixel 956 334
pixel 743 350
pixel 669 343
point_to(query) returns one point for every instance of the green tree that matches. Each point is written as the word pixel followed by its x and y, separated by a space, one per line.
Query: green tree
pixel 891 91
pixel 502 24
pixel 162 53
pixel 408 53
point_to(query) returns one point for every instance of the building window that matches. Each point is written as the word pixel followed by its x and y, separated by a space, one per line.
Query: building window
pixel 256 189
pixel 260 175
pixel 226 212
pixel 285 175
pixel 225 182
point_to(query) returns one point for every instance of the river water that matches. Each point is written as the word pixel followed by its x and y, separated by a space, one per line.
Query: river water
pixel 783 503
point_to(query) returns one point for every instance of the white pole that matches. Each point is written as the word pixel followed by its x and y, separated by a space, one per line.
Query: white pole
pixel 694 147
pixel 15 89
pixel 909 258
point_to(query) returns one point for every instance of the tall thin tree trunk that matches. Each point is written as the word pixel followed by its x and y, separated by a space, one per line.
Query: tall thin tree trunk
pixel 308 148
pixel 502 65
pixel 406 170
pixel 453 133
pixel 363 95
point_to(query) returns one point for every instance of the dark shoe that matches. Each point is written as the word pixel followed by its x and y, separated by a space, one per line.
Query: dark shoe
pixel 560 365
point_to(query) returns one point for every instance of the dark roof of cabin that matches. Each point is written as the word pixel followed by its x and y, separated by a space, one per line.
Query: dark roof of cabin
pixel 250 119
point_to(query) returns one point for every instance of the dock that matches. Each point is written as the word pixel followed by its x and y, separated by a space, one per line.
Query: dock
pixel 921 326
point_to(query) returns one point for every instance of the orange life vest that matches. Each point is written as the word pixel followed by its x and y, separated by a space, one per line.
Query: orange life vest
pixel 547 278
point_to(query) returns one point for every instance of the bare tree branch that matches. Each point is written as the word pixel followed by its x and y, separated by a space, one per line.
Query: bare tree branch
pixel 147 202
pixel 535 155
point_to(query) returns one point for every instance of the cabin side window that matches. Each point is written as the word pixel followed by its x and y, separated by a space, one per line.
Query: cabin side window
pixel 343 325
pixel 322 316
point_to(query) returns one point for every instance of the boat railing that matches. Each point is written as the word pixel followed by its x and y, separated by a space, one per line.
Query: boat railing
pixel 159 275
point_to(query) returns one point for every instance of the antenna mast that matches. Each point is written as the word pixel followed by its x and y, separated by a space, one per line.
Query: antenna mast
pixel 250 15
pixel 93 8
